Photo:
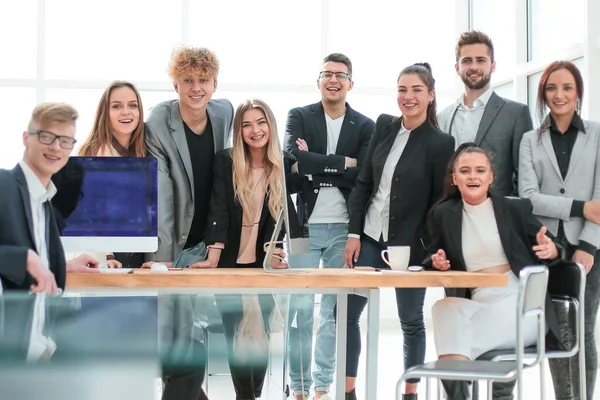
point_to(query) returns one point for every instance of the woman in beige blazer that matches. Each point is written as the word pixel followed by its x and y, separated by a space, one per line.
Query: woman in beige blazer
pixel 559 171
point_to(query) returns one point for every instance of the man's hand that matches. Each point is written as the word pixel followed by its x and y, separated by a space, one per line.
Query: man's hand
pixel 278 259
pixel 302 145
pixel 83 264
pixel 351 162
pixel 45 282
pixel 546 249
pixel 113 264
pixel 212 260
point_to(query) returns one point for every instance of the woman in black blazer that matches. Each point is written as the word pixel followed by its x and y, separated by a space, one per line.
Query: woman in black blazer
pixel 247 198
pixel 402 177
pixel 474 231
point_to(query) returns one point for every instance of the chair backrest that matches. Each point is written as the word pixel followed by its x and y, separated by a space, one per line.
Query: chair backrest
pixel 533 282
pixel 532 290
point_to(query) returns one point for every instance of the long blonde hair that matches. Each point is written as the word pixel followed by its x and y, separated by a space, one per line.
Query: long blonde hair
pixel 242 171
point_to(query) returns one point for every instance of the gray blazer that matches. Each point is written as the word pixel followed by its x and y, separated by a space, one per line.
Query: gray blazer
pixel 500 131
pixel 165 139
pixel 552 197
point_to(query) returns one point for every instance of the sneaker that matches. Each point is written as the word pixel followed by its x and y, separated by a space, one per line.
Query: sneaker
pixel 325 396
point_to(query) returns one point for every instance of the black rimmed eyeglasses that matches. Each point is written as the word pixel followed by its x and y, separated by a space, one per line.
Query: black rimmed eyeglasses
pixel 47 137
pixel 340 76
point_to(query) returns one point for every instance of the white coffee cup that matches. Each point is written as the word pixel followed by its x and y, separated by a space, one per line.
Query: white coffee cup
pixel 398 256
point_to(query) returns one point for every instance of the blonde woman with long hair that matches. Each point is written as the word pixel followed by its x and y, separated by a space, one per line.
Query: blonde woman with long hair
pixel 246 201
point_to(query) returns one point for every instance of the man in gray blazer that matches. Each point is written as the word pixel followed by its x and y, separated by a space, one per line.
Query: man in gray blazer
pixel 481 116
pixel 183 135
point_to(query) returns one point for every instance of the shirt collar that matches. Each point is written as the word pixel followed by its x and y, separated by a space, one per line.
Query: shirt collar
pixel 576 123
pixel 36 189
pixel 481 101
pixel 402 129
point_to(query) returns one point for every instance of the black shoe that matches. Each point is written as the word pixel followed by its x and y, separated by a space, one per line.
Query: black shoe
pixel 409 396
pixel 351 395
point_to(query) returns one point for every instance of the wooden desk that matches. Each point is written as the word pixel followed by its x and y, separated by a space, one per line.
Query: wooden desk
pixel 254 280
pixel 259 278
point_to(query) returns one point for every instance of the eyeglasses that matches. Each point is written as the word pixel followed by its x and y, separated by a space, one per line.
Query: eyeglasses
pixel 47 137
pixel 340 76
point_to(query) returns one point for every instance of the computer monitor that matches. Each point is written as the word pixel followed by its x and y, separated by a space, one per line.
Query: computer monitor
pixel 108 204
pixel 294 241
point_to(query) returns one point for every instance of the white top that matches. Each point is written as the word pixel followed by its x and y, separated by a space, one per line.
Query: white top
pixel 330 207
pixel 466 120
pixel 377 221
pixel 481 244
pixel 38 195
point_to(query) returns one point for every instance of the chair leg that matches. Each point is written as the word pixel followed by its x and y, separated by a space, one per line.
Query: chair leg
pixel 542 380
pixel 440 389
pixel 206 373
pixel 490 390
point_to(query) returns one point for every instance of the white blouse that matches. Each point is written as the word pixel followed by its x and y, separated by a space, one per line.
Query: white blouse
pixel 481 243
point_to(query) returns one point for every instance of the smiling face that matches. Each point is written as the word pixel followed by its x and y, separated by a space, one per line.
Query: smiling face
pixel 413 96
pixel 195 91
pixel 47 159
pixel 124 111
pixel 560 93
pixel 255 129
pixel 334 82
pixel 473 176
pixel 475 66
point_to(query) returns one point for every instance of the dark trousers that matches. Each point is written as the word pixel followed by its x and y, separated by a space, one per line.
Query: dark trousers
pixel 247 374
pixel 565 371
pixel 183 358
pixel 409 302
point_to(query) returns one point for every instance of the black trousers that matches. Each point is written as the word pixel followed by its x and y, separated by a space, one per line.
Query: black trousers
pixel 247 373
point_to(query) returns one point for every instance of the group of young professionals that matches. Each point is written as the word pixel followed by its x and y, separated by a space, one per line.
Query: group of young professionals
pixel 443 184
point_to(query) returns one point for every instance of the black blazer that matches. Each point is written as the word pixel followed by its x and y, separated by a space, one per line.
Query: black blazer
pixel 226 215
pixel 327 170
pixel 17 236
pixel 417 183
pixel 517 227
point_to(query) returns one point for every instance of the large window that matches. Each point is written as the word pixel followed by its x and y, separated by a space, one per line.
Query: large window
pixel 555 25
pixel 492 17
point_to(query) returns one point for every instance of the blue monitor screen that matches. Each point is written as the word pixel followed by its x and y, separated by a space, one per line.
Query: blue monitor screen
pixel 107 197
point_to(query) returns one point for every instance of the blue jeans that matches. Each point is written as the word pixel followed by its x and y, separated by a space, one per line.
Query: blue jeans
pixel 327 243
pixel 409 302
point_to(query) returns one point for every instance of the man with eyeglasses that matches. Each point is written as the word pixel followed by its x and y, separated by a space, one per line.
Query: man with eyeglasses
pixel 31 253
pixel 330 140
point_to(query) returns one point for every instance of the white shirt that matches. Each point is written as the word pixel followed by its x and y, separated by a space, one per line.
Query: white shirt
pixel 466 120
pixel 38 195
pixel 481 244
pixel 330 207
pixel 377 221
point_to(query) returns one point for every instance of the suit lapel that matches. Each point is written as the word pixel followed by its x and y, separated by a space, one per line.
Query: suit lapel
pixel 578 147
pixel 318 114
pixel 218 128
pixel 547 143
pixel 489 114
pixel 25 199
pixel 454 225
pixel 504 223
pixel 178 133
pixel 347 131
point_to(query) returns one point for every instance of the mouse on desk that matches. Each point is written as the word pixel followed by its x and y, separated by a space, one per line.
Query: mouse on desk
pixel 159 268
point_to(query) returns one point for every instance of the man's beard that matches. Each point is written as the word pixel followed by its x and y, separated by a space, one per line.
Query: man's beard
pixel 485 79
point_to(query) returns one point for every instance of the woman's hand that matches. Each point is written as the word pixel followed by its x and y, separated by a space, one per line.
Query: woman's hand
pixel 278 259
pixel 439 260
pixel 352 251
pixel 545 249
pixel 585 259
pixel 212 260
pixel 113 264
